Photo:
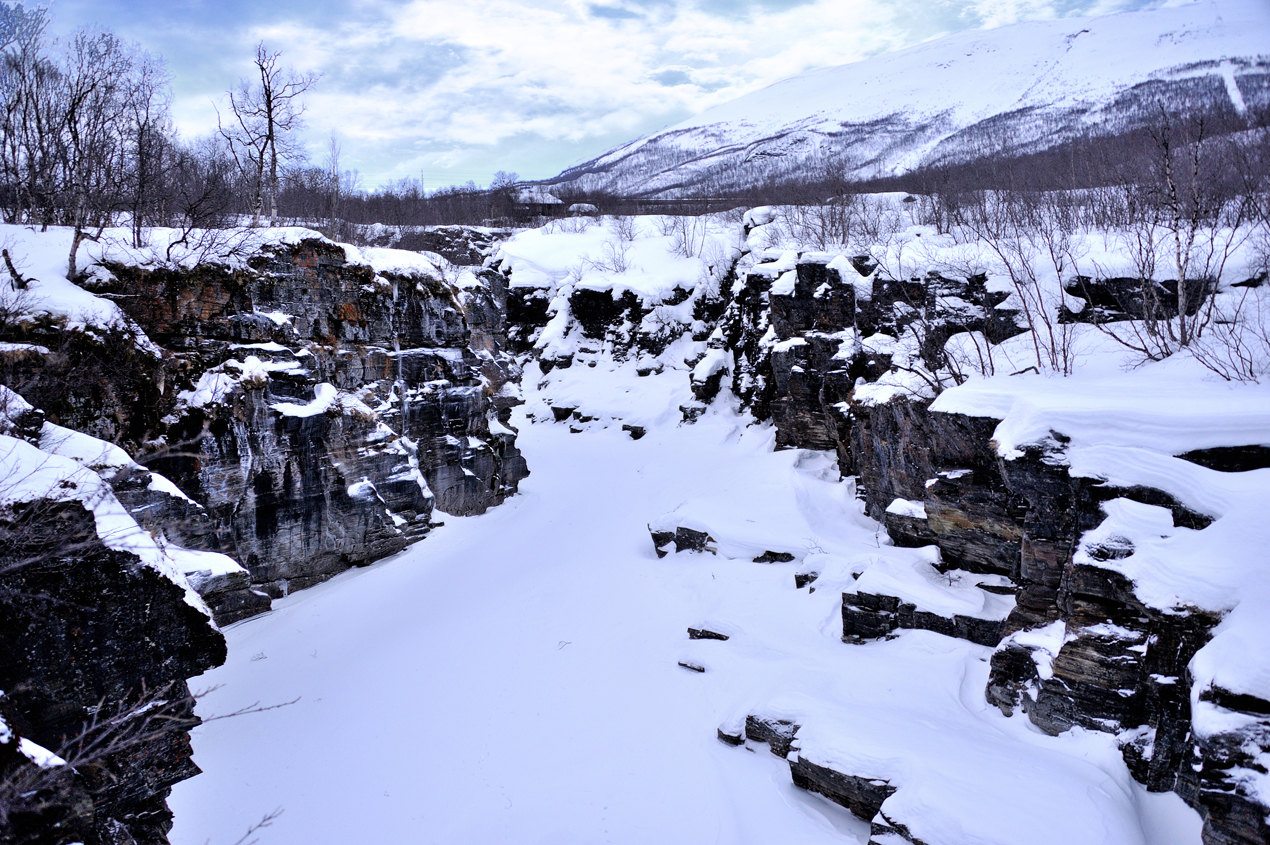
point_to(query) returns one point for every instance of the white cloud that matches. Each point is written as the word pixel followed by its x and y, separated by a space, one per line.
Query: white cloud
pixel 529 85
pixel 559 72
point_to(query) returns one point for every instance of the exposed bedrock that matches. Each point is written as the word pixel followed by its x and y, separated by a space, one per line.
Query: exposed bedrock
pixel 868 616
pixel 790 348
pixel 319 410
pixel 98 648
pixel 1120 666
pixel 312 412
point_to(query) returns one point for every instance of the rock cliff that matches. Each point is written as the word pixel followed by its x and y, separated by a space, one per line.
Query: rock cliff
pixel 101 632
pixel 317 408
pixel 804 341
pixel 313 405
pixel 296 405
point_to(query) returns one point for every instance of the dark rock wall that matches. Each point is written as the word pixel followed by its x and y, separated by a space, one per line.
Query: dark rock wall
pixel 420 370
pixel 97 651
pixel 316 412
pixel 1122 668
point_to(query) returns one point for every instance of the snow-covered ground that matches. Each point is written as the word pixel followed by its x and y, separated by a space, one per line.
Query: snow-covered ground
pixel 514 677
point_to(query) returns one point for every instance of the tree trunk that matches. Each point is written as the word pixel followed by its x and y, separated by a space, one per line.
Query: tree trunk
pixel 273 186
pixel 257 204
pixel 77 238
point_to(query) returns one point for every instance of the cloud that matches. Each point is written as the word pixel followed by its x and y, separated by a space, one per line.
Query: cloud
pixel 526 85
pixel 671 77
pixel 614 12
pixel 993 13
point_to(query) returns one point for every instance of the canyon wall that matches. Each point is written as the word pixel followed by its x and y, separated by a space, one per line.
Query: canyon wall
pixel 297 407
pixel 804 344
pixel 839 354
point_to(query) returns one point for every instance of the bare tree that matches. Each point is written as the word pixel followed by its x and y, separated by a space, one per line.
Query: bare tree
pixel 263 117
pixel 98 93
pixel 1182 224
pixel 199 193
pixel 1031 236
pixel 333 188
pixel 150 133
pixel 29 84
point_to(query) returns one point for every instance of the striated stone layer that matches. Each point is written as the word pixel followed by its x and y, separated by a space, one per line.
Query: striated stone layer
pixel 789 343
pixel 97 651
pixel 314 414
pixel 319 410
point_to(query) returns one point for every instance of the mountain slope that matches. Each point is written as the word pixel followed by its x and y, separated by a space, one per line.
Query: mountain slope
pixel 1015 89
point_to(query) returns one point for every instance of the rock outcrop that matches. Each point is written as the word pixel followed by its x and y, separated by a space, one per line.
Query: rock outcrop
pixel 801 343
pixel 101 632
pixel 300 407
pixel 318 409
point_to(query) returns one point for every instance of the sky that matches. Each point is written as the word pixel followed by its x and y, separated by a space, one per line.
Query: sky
pixel 451 91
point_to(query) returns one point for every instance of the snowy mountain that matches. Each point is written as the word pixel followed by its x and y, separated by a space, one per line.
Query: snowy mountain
pixel 1012 90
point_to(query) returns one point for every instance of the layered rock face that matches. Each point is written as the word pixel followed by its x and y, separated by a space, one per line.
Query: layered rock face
pixel 318 409
pixel 95 639
pixel 314 406
pixel 801 342
pixel 101 633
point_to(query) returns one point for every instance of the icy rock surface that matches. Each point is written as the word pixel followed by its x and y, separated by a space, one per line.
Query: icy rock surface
pixel 101 630
pixel 316 400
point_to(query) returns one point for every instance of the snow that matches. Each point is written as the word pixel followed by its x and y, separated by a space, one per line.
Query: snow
pixel 325 395
pixel 784 284
pixel 42 257
pixel 278 318
pixel 714 362
pixel 650 260
pixel 759 216
pixel 846 271
pixel 519 667
pixel 71 465
pixel 212 388
pixel 892 385
pixel 403 262
pixel 536 194
pixel 1126 429
pixel 1232 88
pixel 904 507
pixel 1162 409
pixel 103 458
pixel 1058 72
pixel 24 347
pixel 231 248
pixel 916 581
pixel 1044 643
pixel 38 754
pixel 780 266
pixel 30 474
pixel 216 385
pixel 1085 798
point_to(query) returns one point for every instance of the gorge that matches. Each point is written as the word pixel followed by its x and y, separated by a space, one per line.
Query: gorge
pixel 925 583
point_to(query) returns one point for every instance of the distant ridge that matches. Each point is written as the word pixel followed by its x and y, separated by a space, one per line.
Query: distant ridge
pixel 1010 91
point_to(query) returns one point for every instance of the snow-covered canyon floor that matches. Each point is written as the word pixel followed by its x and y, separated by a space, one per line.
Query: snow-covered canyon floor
pixel 515 677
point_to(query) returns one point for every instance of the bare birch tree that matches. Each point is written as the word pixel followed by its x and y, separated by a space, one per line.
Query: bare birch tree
pixel 98 84
pixel 263 114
